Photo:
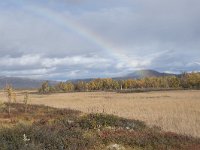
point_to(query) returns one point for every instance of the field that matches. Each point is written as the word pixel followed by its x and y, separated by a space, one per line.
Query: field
pixel 176 111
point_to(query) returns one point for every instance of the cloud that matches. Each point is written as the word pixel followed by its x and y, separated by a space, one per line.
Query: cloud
pixel 198 63
pixel 129 35
pixel 38 65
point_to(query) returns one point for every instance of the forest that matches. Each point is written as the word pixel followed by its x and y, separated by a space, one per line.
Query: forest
pixel 183 81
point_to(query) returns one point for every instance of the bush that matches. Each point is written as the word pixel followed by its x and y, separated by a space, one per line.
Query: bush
pixel 93 121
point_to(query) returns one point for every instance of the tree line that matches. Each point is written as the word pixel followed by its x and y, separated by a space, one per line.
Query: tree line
pixel 185 81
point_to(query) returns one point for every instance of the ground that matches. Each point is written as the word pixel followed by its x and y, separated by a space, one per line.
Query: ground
pixel 43 127
pixel 176 111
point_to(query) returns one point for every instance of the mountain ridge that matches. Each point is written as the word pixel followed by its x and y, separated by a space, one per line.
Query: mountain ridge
pixel 138 74
pixel 28 83
pixel 22 82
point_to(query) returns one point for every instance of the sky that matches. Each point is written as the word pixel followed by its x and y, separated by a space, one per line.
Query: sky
pixel 69 39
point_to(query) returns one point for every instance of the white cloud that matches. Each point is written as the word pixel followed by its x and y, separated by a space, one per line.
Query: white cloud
pixel 39 65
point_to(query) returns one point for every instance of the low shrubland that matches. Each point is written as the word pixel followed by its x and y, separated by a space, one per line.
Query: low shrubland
pixel 42 127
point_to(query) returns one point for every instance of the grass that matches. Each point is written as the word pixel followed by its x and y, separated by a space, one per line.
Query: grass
pixel 174 111
pixel 49 128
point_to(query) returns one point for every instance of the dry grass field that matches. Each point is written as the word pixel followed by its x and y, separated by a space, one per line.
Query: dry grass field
pixel 177 111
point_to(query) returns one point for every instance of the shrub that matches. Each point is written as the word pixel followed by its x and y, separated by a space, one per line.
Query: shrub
pixel 93 121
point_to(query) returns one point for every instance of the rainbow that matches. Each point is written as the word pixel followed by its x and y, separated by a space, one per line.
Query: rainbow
pixel 70 24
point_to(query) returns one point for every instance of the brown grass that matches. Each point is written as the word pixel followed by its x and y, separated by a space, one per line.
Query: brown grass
pixel 177 111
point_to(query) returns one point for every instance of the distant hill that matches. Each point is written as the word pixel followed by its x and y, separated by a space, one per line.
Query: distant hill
pixel 144 74
pixel 26 83
pixel 139 74
pixel 22 83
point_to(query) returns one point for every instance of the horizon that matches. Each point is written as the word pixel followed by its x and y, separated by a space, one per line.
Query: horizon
pixel 74 39
pixel 93 78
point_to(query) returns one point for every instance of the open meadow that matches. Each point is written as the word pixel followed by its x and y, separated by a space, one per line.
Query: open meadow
pixel 176 111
